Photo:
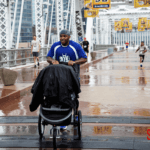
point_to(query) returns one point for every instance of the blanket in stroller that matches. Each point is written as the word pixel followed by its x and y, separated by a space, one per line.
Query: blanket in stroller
pixel 55 81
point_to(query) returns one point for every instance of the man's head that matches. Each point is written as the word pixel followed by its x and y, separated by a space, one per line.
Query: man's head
pixel 64 37
pixel 34 37
pixel 142 43
pixel 85 39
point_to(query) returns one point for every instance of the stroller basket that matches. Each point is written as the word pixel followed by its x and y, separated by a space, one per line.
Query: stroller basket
pixel 56 116
pixel 56 111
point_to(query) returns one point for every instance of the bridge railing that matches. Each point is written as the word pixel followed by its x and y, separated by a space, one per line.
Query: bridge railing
pixel 16 57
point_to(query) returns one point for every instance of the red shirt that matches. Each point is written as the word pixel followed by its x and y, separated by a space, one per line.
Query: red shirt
pixel 127 44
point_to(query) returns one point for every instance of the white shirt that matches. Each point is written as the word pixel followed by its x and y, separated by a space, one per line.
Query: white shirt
pixel 35 45
pixel 141 50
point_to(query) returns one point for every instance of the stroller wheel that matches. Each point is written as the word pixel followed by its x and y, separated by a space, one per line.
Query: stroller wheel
pixel 41 127
pixel 79 124
pixel 54 136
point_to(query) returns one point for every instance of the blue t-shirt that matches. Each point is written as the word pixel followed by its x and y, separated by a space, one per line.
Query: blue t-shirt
pixel 62 53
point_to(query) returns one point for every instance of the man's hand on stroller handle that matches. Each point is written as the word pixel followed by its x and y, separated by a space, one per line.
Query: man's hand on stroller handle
pixel 71 63
pixel 51 60
pixel 55 62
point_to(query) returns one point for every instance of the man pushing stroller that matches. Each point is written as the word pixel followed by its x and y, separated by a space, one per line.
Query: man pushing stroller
pixel 67 51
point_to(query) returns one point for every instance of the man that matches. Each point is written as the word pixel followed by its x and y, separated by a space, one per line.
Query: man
pixel 85 46
pixel 142 50
pixel 66 51
pixel 35 48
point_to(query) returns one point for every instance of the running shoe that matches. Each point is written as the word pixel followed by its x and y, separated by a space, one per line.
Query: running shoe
pixel 76 118
pixel 141 65
pixel 38 63
pixel 63 127
pixel 34 66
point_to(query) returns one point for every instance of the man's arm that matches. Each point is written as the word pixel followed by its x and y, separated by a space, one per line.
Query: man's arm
pixel 79 61
pixel 82 57
pixel 51 60
pixel 145 49
pixel 137 49
pixel 39 47
pixel 82 45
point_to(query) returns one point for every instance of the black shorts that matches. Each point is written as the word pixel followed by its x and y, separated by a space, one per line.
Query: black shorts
pixel 36 54
pixel 86 50
pixel 142 56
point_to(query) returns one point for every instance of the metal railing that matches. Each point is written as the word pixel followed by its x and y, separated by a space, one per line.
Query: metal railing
pixel 16 57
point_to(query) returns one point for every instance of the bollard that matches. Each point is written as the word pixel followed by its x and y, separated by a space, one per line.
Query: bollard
pixel 8 76
pixel 93 55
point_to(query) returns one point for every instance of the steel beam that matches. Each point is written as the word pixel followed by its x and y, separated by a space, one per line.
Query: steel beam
pixel 39 21
pixel 60 24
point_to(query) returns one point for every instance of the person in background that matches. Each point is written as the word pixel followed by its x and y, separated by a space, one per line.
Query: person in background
pixel 35 48
pixel 142 50
pixel 85 46
pixel 127 44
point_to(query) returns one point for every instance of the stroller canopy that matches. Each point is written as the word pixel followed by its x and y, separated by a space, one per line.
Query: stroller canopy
pixel 55 81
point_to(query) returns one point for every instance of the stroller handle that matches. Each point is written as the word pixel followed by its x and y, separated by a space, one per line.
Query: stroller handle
pixel 64 63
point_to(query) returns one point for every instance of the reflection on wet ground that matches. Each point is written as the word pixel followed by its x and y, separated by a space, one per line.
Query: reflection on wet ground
pixel 17 107
pixel 104 80
pixel 92 109
pixel 119 69
pixel 5 92
pixel 20 107
pixel 89 129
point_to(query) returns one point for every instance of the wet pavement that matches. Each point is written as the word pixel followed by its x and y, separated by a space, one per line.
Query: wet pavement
pixel 115 88
pixel 90 129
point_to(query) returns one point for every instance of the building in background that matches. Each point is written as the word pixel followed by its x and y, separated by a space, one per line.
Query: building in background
pixel 33 12
pixel 26 22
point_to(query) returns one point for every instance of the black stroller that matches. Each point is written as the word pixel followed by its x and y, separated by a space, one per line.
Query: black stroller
pixel 56 114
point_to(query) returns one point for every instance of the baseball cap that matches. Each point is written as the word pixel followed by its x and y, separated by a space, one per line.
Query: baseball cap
pixel 66 32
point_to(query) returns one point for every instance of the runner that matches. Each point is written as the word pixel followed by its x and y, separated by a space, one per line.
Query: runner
pixel 85 46
pixel 127 44
pixel 66 51
pixel 35 48
pixel 142 50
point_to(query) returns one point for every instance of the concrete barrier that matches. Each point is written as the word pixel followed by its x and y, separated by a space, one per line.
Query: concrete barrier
pixel 102 47
pixel 8 76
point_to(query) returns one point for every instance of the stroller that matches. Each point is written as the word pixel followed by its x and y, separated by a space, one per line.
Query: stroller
pixel 56 114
